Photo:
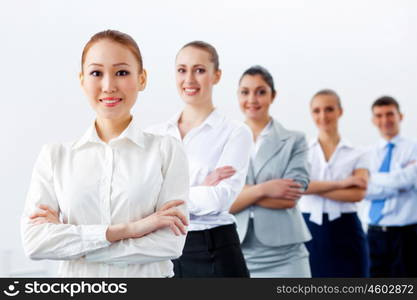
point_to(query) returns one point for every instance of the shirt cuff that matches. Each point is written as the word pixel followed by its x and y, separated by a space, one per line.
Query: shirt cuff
pixel 199 201
pixel 94 236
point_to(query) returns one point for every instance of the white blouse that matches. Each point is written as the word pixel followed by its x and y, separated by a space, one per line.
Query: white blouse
pixel 93 184
pixel 217 142
pixel 341 165
pixel 260 139
pixel 258 143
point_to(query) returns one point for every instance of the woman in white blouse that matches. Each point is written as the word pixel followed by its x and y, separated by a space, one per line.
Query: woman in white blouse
pixel 339 175
pixel 218 151
pixel 112 203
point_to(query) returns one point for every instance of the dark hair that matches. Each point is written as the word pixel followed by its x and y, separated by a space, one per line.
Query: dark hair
pixel 385 101
pixel 328 92
pixel 214 57
pixel 117 37
pixel 264 73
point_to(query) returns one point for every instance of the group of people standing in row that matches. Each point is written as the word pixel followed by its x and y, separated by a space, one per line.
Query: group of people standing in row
pixel 205 196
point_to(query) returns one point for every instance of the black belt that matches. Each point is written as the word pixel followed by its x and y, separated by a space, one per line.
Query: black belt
pixel 392 228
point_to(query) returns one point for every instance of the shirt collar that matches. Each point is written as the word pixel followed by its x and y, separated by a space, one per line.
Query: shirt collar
pixel 382 143
pixel 173 121
pixel 266 129
pixel 212 119
pixel 343 143
pixel 132 132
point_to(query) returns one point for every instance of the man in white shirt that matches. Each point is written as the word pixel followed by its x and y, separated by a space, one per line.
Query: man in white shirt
pixel 392 196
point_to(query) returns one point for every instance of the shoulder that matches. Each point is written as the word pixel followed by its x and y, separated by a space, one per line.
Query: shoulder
pixel 362 150
pixel 161 141
pixel 408 143
pixel 160 128
pixel 166 145
pixel 50 154
pixel 297 136
pixel 54 150
pixel 407 140
pixel 238 128
pixel 362 156
pixel 406 148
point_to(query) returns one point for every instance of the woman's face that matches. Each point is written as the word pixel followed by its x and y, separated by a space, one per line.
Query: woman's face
pixel 255 97
pixel 326 112
pixel 195 76
pixel 111 79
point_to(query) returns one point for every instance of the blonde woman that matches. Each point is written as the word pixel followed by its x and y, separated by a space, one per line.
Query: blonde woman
pixel 218 152
pixel 339 175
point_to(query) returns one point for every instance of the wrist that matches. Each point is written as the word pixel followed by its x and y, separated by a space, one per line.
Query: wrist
pixel 118 232
pixel 259 191
pixel 340 184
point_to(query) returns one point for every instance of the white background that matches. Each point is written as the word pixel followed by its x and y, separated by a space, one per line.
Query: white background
pixel 361 48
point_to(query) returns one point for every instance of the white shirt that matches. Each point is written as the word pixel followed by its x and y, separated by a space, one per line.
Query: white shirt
pixel 400 206
pixel 260 139
pixel 258 143
pixel 393 183
pixel 217 142
pixel 93 184
pixel 341 165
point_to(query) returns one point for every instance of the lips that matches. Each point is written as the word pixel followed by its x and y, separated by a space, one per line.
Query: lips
pixel 191 91
pixel 253 108
pixel 111 101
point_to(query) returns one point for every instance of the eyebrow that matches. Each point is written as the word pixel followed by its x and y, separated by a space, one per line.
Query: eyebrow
pixel 114 65
pixel 256 88
pixel 197 65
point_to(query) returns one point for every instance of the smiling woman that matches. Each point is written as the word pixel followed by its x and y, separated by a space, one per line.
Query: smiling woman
pixel 270 226
pixel 111 77
pixel 218 153
pixel 112 203
pixel 339 179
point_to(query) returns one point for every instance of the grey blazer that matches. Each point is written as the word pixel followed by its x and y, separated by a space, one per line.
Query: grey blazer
pixel 283 154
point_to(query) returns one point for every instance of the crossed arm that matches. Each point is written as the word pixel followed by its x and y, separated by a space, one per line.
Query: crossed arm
pixel 159 236
pixel 385 185
pixel 350 189
pixel 273 194
pixel 280 193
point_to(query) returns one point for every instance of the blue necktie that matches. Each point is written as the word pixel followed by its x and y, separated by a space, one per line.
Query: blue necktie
pixel 375 213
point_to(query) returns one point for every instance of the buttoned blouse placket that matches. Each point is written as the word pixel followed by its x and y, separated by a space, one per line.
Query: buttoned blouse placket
pixel 106 193
pixel 328 176
pixel 324 174
pixel 174 130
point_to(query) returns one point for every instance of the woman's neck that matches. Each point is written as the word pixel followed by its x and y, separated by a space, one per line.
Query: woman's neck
pixel 108 129
pixel 328 142
pixel 193 116
pixel 329 137
pixel 257 125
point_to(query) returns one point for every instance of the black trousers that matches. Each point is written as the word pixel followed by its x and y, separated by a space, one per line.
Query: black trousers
pixel 338 248
pixel 393 251
pixel 214 252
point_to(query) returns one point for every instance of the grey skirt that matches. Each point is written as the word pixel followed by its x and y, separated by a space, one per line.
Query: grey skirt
pixel 274 262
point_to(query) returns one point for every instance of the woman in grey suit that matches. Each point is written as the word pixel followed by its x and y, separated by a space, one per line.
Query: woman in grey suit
pixel 270 226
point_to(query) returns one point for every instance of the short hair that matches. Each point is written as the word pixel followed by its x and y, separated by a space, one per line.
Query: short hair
pixel 385 101
pixel 264 73
pixel 214 57
pixel 117 37
pixel 328 92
